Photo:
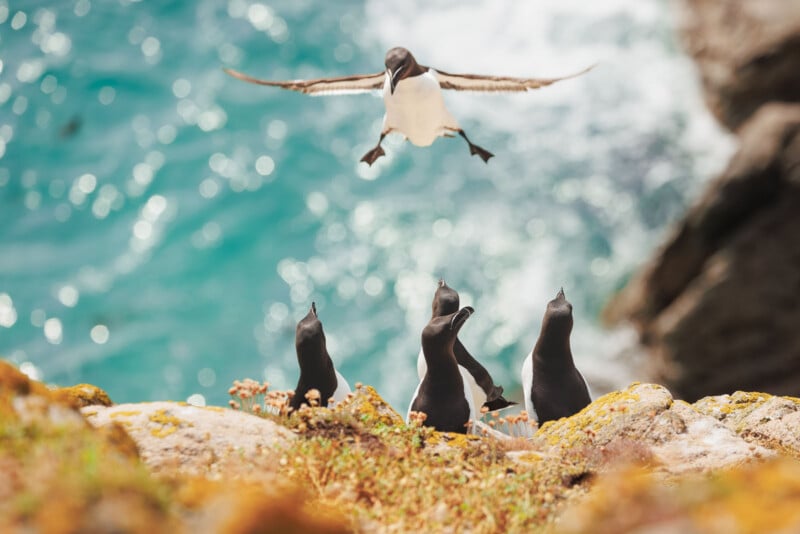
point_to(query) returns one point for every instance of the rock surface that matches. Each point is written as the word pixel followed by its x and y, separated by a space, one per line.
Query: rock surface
pixel 757 417
pixel 645 421
pixel 177 437
pixel 748 52
pixel 358 467
pixel 718 305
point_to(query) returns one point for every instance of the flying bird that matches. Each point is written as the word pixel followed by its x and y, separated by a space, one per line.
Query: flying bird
pixel 412 94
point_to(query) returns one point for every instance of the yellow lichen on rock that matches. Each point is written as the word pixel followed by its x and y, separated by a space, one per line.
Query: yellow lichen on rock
pixel 731 408
pixel 582 428
pixel 124 413
pixel 367 406
pixel 167 422
pixel 84 395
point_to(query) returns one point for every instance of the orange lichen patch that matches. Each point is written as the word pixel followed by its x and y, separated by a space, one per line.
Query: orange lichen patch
pixel 756 498
pixel 167 422
pixel 83 395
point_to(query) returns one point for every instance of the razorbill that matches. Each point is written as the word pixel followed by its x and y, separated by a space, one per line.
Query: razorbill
pixel 316 367
pixel 412 94
pixel 443 394
pixel 552 385
pixel 484 391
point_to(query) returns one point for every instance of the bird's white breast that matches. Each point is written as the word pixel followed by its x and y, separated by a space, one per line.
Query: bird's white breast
pixel 417 110
pixel 527 385
pixel 342 388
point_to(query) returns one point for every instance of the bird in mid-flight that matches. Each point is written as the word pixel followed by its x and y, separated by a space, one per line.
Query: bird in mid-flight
pixel 412 94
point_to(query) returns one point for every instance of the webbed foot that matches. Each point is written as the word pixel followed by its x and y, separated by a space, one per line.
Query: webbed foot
pixel 371 156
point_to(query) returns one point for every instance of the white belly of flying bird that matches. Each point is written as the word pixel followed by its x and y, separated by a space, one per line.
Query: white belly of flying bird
pixel 416 110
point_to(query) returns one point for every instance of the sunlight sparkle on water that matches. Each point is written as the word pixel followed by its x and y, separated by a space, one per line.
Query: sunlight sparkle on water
pixel 99 334
pixel 8 315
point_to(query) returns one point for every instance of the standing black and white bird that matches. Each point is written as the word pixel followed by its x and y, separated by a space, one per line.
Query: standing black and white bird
pixel 412 94
pixel 443 394
pixel 480 382
pixel 552 385
pixel 316 367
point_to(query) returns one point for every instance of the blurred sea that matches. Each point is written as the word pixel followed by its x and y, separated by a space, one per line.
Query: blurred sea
pixel 163 226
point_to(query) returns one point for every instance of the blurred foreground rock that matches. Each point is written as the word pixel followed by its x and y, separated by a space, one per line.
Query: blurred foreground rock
pixel 754 499
pixel 59 474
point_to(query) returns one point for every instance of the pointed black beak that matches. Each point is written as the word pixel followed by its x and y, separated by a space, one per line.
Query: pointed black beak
pixel 393 78
pixel 560 294
pixel 442 283
pixel 313 309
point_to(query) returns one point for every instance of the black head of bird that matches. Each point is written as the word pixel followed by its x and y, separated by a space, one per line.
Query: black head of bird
pixel 400 64
pixel 558 317
pixel 445 300
pixel 309 337
pixel 441 332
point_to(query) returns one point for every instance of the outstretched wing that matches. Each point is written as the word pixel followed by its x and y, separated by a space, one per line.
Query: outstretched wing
pixel 360 83
pixel 496 84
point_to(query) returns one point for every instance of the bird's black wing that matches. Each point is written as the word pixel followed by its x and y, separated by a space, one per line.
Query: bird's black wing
pixel 496 84
pixel 359 83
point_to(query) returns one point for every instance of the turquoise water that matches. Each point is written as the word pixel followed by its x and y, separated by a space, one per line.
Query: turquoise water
pixel 163 226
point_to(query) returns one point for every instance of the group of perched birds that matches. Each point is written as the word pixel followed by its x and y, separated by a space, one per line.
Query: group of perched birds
pixel 455 389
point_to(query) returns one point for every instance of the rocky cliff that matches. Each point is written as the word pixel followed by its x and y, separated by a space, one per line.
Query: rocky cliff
pixel 718 304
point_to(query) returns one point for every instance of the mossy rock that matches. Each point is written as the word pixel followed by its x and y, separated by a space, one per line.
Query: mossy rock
pixel 770 421
pixel 369 408
pixel 731 409
pixel 84 395
pixel 614 415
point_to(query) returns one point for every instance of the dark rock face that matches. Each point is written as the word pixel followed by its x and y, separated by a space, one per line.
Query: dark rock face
pixel 719 305
pixel 747 51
